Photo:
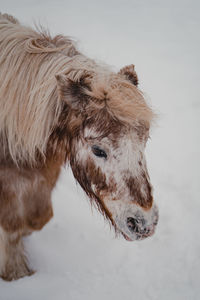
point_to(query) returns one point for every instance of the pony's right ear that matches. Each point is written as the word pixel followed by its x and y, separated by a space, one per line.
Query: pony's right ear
pixel 72 92
pixel 129 73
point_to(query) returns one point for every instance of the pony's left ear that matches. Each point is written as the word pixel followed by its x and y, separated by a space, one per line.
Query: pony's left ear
pixel 73 92
pixel 129 73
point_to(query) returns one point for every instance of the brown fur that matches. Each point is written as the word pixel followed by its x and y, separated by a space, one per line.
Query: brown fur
pixel 15 265
pixel 88 176
pixel 24 199
pixel 135 191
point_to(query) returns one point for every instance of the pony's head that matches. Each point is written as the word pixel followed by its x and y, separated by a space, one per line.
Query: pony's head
pixel 108 125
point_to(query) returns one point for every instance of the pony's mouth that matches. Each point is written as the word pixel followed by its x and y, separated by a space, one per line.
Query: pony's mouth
pixel 139 228
pixel 138 236
pixel 133 222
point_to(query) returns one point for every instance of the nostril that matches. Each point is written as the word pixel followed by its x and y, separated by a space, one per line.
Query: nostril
pixel 139 227
pixel 145 231
pixel 132 224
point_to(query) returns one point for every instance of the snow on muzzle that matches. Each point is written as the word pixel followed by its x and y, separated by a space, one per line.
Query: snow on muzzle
pixel 135 223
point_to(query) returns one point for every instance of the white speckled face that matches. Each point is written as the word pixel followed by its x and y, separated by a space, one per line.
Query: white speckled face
pixel 120 179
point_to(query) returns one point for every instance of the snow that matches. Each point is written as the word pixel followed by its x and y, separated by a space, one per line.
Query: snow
pixel 77 255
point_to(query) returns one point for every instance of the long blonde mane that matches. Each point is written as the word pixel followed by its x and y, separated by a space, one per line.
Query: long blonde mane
pixel 29 104
pixel 29 107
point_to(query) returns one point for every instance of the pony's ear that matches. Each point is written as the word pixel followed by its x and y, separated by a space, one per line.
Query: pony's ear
pixel 72 92
pixel 129 73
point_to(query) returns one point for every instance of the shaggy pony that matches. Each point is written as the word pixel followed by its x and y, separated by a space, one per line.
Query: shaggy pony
pixel 50 95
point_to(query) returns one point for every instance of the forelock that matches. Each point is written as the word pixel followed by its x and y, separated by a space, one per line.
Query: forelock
pixel 118 99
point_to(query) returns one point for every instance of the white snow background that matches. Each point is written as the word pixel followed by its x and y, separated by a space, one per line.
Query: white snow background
pixel 76 255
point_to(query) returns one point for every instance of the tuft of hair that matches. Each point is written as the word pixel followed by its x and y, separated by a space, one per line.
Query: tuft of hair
pixel 123 100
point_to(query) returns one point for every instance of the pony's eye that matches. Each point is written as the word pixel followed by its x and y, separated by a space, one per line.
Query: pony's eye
pixel 99 152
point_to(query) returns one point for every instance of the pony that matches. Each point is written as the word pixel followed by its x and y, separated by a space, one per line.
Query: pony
pixel 57 106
